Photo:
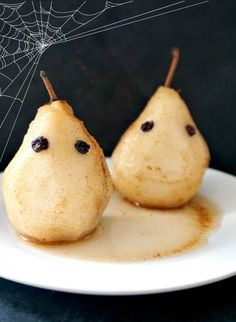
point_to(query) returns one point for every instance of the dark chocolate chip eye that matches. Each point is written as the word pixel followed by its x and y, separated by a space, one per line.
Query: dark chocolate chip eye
pixel 190 129
pixel 40 143
pixel 147 126
pixel 82 147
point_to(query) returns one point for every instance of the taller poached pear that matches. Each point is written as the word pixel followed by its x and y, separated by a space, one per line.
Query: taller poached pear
pixel 57 185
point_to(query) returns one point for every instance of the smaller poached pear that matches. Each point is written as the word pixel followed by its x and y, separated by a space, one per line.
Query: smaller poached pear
pixel 58 184
pixel 160 160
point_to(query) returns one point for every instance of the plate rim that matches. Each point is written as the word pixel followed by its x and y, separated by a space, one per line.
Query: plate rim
pixel 126 292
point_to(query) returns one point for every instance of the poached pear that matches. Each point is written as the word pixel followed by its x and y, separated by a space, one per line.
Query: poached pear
pixel 58 184
pixel 160 160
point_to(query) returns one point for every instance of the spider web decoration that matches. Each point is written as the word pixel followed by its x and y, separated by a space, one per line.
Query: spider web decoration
pixel 25 37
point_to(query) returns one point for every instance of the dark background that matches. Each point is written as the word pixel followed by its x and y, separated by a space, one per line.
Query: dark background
pixel 109 77
pixel 212 303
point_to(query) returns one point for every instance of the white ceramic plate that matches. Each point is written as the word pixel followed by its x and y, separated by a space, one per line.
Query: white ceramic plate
pixel 215 261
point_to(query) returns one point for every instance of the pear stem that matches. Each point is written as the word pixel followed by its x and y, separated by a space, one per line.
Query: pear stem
pixel 48 85
pixel 174 62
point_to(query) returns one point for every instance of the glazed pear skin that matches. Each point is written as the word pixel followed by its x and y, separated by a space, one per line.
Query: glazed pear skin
pixel 57 194
pixel 163 167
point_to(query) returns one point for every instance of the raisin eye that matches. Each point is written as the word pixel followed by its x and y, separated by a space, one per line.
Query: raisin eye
pixel 147 126
pixel 82 147
pixel 40 143
pixel 190 129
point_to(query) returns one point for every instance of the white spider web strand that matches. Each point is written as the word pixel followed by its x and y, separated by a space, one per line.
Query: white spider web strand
pixel 25 26
pixel 36 19
pixel 14 33
pixel 3 51
pixel 29 56
pixel 48 22
pixel 14 46
pixel 13 6
pixel 14 36
pixel 85 18
pixel 7 54
pixel 58 31
pixel 121 23
pixel 43 26
pixel 41 19
pixel 11 59
pixel 31 75
pixel 47 26
pixel 17 27
pixel 17 96
pixel 30 21
pixel 20 63
pixel 59 15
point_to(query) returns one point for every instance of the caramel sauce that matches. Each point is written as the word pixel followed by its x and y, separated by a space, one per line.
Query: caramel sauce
pixel 130 233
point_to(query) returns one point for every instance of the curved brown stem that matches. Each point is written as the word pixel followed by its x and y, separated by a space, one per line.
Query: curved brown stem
pixel 48 85
pixel 174 62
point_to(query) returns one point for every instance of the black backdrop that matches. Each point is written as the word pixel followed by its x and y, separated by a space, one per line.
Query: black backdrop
pixel 109 77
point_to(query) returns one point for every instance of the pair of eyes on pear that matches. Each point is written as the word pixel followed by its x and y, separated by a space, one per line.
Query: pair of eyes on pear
pixel 147 126
pixel 41 143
